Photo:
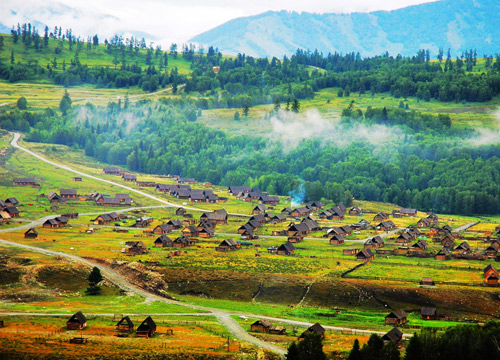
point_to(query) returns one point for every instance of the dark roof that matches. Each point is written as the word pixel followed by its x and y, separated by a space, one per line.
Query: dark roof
pixel 394 335
pixel 228 242
pixel 364 254
pixel 33 231
pixel 147 324
pixel 127 320
pixel 238 189
pixel 78 317
pixel 24 180
pixel 164 227
pixel 463 246
pixel 175 222
pixel 68 192
pixel 317 328
pixel 399 314
pixel 299 227
pixel 216 215
pixel 164 239
pixel 263 322
pixel 288 247
pixel 260 207
pixel 129 177
pixel 12 201
pixel 490 267
pixel 428 311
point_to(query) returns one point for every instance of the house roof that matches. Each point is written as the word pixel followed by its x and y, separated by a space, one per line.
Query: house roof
pixel 147 324
pixel 428 311
pixel 163 227
pixel 238 189
pixel 164 239
pixel 24 180
pixel 263 322
pixel 394 335
pixel 78 317
pixel 31 231
pixel 174 222
pixel 216 216
pixel 129 177
pixel 463 246
pixel 260 207
pixel 317 328
pixel 68 192
pixel 302 227
pixel 127 320
pixel 288 247
pixel 398 313
pixel 12 201
pixel 489 268
pixel 228 243
pixel 364 254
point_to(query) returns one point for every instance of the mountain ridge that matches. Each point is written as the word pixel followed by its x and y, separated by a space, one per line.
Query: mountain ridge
pixel 459 25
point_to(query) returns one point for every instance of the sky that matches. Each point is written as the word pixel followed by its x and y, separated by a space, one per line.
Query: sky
pixel 167 21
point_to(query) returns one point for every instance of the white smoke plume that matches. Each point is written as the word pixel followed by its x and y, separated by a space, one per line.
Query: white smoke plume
pixel 487 136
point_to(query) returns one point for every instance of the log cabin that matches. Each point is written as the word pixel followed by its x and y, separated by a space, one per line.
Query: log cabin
pixel 316 328
pixel 286 249
pixel 261 326
pixel 125 324
pixel 228 245
pixel 365 255
pixel 77 322
pixel 69 193
pixel 394 335
pixel 146 329
pixel 24 181
pixel 396 317
pixel 31 234
pixel 163 241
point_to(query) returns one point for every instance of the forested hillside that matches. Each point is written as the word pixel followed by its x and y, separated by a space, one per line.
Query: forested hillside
pixel 424 160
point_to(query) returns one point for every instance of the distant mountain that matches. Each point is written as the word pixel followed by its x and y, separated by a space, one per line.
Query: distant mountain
pixel 455 24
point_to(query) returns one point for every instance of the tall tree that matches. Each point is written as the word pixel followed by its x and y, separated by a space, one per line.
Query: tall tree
pixel 65 104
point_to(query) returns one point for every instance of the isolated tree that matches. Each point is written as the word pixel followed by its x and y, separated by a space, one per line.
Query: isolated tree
pixel 277 104
pixel 236 116
pixel 246 109
pixel 95 276
pixel 65 103
pixel 12 59
pixel 22 103
pixel 295 106
pixel 1 43
pixel 355 353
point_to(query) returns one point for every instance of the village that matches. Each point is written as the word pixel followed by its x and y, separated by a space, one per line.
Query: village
pixel 348 238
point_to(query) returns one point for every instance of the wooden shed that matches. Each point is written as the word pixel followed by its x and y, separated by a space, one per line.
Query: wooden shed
pixel 77 322
pixel 394 335
pixel 31 234
pixel 316 328
pixel 396 317
pixel 146 329
pixel 427 281
pixel 261 326
pixel 125 324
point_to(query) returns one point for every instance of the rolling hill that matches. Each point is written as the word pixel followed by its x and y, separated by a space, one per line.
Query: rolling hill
pixel 459 25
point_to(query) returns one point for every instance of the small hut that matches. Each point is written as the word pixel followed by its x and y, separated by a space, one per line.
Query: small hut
pixel 316 328
pixel 77 322
pixel 394 335
pixel 125 324
pixel 146 329
pixel 261 326
pixel 31 234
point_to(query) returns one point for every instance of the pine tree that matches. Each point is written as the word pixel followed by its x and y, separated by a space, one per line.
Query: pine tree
pixel 95 276
pixel 246 109
pixel 295 106
pixel 293 352
pixel 65 103
pixel 355 353
pixel 311 347
pixel 414 349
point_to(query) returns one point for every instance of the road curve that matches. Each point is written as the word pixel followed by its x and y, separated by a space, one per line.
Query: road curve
pixel 14 143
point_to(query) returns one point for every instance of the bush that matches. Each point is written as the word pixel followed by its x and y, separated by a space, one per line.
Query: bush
pixel 22 103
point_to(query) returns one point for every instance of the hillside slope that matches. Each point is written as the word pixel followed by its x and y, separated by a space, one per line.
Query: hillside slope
pixel 459 25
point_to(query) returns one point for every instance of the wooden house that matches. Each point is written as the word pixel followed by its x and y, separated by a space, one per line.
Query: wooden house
pixel 427 281
pixel 350 251
pixel 125 324
pixel 394 335
pixel 266 199
pixel 106 218
pixel 77 178
pixel 403 238
pixel 77 322
pixel 235 190
pixel 286 211
pixel 248 235
pixel 259 209
pixel 381 216
pixel 24 181
pixel 137 248
pixel 404 212
pixel 228 245
pixel 463 248
pixel 443 254
pixel 146 329
pixel 429 314
pixel 493 249
pixel 299 212
pixel 276 219
pixel 491 275
pixel 51 224
pixel 69 193
pixel 296 238
pixel 129 177
pixel 420 245
pixel 190 231
pixel 186 180
pixel 316 205
pixel 396 317
pixel 277 330
pixel 180 211
pixel 298 229
pixel 54 197
pixel 386 225
pixel 355 211
pixel 361 225
pixel 175 223
pixel 143 222
pixel 206 232
pixel 316 328
pixel 162 229
pixel 286 249
pixel 365 255
pixel 31 234
pixel 215 217
pixel 163 241
pixel 337 240
pixel 261 326
pixel 183 241
pixel 111 171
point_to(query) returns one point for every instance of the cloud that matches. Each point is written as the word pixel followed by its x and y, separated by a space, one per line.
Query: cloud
pixel 487 136
pixel 290 129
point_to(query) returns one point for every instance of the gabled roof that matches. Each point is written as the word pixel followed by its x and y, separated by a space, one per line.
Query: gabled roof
pixel 163 227
pixel 164 239
pixel 299 227
pixel 78 317
pixel 394 335
pixel 364 254
pixel 68 192
pixel 127 320
pixel 317 328
pixel 288 247
pixel 399 314
pixel 147 324
pixel 228 243
pixel 428 311
pixel 216 216
pixel 31 231
pixel 408 211
pixel 175 223
pixel 12 201
pixel 260 207
pixel 129 177
pixel 463 246
pixel 489 268
pixel 263 322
